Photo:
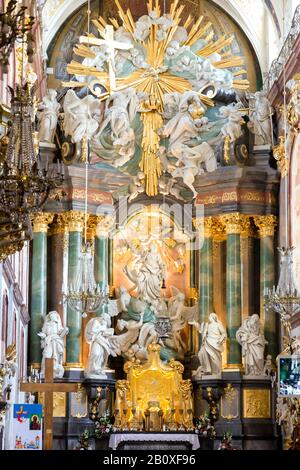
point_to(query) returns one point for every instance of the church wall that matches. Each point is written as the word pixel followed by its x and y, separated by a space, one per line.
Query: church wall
pixel 14 290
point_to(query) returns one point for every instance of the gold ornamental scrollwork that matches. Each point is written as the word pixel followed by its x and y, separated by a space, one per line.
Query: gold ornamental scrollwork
pixel 229 403
pixel 234 223
pixel 41 221
pixel 58 225
pixel 266 225
pixel 74 220
pixel 105 223
pixel 154 395
pixel 226 150
pixel 280 155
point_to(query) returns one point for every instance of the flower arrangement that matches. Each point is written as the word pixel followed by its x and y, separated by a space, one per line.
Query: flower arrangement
pixel 226 442
pixel 103 426
pixel 83 441
pixel 204 428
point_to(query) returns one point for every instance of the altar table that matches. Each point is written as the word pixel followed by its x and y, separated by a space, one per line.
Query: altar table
pixel 154 441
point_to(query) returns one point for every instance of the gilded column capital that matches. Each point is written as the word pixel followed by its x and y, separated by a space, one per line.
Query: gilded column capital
pixel 58 225
pixel 74 220
pixel 266 225
pixel 92 223
pixel 218 230
pixel 105 224
pixel 247 229
pixel 204 224
pixel 233 223
pixel 40 221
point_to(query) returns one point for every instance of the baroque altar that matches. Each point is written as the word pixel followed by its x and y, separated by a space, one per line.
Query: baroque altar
pixel 154 397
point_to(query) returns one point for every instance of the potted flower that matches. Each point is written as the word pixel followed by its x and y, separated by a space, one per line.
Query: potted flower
pixel 226 442
pixel 206 431
pixel 103 428
pixel 83 441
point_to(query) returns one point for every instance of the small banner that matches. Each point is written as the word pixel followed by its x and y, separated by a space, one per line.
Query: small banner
pixel 27 427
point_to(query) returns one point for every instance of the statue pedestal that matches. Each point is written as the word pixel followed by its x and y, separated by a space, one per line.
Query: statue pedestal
pixel 243 405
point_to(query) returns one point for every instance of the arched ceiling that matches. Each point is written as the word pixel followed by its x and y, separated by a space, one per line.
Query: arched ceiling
pixel 249 15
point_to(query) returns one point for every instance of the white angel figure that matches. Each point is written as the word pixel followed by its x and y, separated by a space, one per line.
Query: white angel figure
pixel 191 159
pixel 179 314
pixel 118 305
pixel 120 111
pixel 232 128
pixel 148 335
pixel 79 116
pixel 102 343
pixel 128 338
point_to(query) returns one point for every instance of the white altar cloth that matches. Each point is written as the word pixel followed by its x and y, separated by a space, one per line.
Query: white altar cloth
pixel 116 438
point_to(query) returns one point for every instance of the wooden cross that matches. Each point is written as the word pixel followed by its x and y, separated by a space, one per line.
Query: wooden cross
pixel 49 387
pixel 112 45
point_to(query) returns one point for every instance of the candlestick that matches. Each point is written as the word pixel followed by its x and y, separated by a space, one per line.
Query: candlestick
pixel 172 402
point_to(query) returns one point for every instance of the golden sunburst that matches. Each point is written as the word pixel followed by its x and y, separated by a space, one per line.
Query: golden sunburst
pixel 156 81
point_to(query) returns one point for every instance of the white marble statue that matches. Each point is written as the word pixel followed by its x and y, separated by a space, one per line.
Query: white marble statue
pixel 130 336
pixel 233 127
pixel 81 116
pixel 251 337
pixel 187 121
pixel 52 343
pixel 268 366
pixel 118 305
pixel 190 160
pixel 179 314
pixel 148 335
pixel 137 186
pixel 121 109
pixel 213 335
pixel 47 114
pixel 102 343
pixel 147 273
pixel 260 114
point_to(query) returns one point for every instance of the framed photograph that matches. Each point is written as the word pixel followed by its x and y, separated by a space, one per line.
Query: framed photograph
pixel 289 376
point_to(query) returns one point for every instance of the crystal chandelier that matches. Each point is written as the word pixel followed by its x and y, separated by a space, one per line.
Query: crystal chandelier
pixel 285 298
pixel 85 295
pixel 24 184
pixel 14 24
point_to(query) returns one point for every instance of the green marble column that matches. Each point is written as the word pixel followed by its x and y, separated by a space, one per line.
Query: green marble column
pixel 233 226
pixel 58 246
pixel 205 269
pixel 206 272
pixel 38 284
pixel 101 259
pixel 266 225
pixel 101 256
pixel 75 222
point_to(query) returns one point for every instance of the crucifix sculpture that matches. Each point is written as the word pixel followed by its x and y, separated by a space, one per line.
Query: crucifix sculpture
pixel 49 387
pixel 112 45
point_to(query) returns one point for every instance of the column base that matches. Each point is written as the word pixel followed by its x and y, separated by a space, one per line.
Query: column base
pixel 233 368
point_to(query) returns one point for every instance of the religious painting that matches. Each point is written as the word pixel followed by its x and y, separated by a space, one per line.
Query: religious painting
pixel 152 226
pixel 27 427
